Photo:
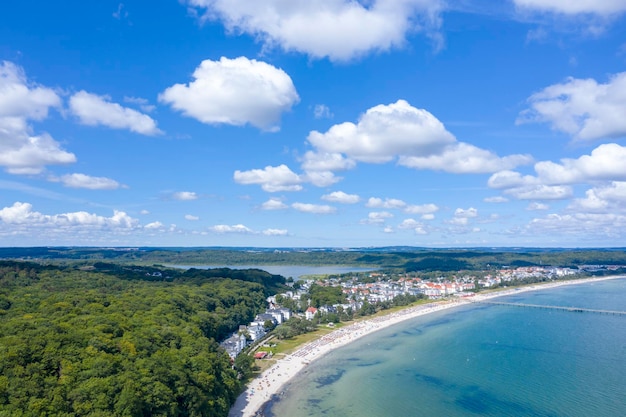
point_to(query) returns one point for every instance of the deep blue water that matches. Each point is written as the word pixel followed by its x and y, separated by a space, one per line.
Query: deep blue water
pixel 479 361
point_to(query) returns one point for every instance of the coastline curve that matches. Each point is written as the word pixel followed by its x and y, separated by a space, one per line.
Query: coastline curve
pixel 262 389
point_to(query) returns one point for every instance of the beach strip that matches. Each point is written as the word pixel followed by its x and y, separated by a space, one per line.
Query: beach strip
pixel 260 390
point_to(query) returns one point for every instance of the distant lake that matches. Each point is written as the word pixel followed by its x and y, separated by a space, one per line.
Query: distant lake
pixel 294 271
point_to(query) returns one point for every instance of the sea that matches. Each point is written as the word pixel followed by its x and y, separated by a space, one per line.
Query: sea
pixel 478 360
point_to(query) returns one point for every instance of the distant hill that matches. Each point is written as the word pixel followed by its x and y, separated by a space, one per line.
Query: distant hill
pixel 396 257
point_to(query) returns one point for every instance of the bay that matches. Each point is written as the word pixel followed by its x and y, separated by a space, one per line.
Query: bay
pixel 482 360
pixel 294 271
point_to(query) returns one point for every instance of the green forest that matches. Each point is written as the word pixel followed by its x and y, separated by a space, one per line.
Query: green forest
pixel 399 258
pixel 121 341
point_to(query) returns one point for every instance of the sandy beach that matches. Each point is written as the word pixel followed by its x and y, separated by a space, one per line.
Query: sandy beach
pixel 261 389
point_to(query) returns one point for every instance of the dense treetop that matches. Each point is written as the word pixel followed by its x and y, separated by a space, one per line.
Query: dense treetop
pixel 97 343
pixel 407 258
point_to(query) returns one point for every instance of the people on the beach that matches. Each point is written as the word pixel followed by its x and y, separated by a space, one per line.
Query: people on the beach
pixel 249 403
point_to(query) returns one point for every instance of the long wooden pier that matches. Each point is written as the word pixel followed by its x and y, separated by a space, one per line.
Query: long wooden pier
pixel 548 307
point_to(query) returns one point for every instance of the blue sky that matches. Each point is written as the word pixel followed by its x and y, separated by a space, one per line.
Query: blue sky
pixel 332 123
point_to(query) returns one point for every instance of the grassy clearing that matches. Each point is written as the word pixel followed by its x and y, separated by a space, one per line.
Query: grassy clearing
pixel 283 347
pixel 400 308
pixel 279 348
pixel 287 346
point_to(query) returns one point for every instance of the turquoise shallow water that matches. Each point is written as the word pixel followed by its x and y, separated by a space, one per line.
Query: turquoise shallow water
pixel 479 360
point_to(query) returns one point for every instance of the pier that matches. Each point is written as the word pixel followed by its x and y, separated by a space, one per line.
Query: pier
pixel 548 307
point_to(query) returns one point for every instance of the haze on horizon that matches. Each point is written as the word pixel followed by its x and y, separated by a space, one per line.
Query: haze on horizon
pixel 324 124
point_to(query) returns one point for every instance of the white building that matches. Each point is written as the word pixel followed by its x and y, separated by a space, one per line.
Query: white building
pixel 256 331
pixel 234 344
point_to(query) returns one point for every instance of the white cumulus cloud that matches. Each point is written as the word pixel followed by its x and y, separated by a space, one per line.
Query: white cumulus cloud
pixel 21 150
pixel 320 161
pixel 553 180
pixel 606 162
pixel 462 216
pixel 22 214
pixel 154 226
pixel 19 98
pixel 466 213
pixel 527 187
pixel 275 232
pixel 77 180
pixel 414 225
pixel 510 179
pixel 95 110
pixel 383 132
pixel 388 203
pixel 185 196
pixel 23 153
pixel 319 167
pixel 616 191
pixel 314 208
pixel 337 29
pixel 271 179
pixel 235 92
pixel 341 197
pixel 377 217
pixel 541 192
pixel 582 108
pixel 237 228
pixel 422 209
pixel 571 7
pixel 191 217
pixel 274 204
pixel 580 226
pixel 399 131
pixel 608 198
pixel 320 178
pixel 463 158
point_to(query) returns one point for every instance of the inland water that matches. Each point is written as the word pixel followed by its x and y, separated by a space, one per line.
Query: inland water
pixel 479 360
pixel 288 271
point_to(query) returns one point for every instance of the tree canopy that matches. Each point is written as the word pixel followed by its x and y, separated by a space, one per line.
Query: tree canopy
pixel 90 343
pixel 401 258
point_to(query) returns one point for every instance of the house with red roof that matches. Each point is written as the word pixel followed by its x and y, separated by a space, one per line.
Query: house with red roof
pixel 310 313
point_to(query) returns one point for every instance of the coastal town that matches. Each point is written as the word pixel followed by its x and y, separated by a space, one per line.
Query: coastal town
pixel 375 289
pixel 263 389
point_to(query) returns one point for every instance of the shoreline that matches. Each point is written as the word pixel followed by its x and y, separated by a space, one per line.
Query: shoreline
pixel 263 388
